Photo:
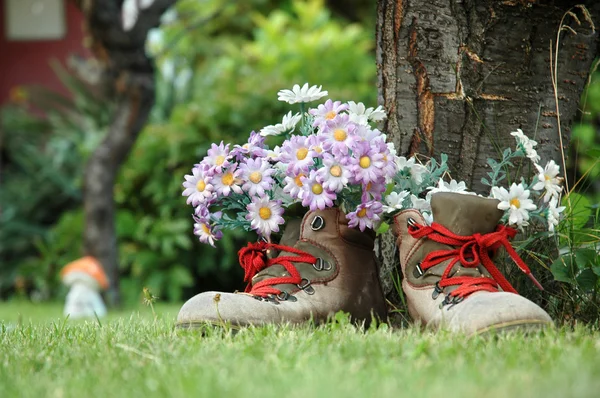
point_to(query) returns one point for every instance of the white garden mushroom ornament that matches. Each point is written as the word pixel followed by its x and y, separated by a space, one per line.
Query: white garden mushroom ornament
pixel 87 279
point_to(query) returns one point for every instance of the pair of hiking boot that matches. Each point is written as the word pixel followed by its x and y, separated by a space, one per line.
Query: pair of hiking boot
pixel 322 266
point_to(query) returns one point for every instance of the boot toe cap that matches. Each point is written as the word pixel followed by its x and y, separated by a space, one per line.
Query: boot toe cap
pixel 501 311
pixel 221 308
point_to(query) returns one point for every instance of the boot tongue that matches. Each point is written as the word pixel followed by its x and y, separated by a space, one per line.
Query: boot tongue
pixel 465 214
pixel 291 235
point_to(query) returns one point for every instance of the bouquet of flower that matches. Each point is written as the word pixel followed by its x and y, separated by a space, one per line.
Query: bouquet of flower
pixel 331 156
pixel 538 198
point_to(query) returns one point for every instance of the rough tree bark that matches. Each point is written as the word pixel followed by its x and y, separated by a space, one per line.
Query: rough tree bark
pixel 128 78
pixel 457 76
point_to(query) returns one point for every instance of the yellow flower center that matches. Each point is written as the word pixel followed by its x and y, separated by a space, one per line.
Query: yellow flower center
pixel 298 180
pixel 205 228
pixel 362 213
pixel 330 115
pixel 200 185
pixel 317 149
pixel 227 179
pixel 264 213
pixel 301 153
pixel 256 177
pixel 317 189
pixel 339 135
pixel 220 160
pixel 515 202
pixel 546 177
pixel 364 162
pixel 335 171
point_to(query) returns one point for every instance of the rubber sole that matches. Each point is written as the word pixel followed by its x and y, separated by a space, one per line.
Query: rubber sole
pixel 523 325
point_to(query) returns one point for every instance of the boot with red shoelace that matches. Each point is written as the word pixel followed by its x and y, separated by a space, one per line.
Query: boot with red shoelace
pixel 450 281
pixel 320 267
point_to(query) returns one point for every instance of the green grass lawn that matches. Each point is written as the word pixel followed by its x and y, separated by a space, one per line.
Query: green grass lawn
pixel 133 355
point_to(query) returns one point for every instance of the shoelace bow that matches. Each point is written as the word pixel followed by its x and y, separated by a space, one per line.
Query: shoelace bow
pixel 471 251
pixel 253 259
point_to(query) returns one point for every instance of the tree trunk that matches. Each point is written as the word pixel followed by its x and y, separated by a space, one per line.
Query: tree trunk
pixel 128 79
pixel 457 77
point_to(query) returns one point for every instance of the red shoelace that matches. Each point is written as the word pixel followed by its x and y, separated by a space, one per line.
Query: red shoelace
pixel 253 258
pixel 471 251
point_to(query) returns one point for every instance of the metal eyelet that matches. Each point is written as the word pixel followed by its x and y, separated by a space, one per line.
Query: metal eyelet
pixel 455 300
pixel 452 300
pixel 436 291
pixel 317 223
pixel 418 271
pixel 285 296
pixel 411 222
pixel 322 265
pixel 306 286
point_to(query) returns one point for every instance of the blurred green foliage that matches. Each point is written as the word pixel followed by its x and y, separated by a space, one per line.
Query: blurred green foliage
pixel 578 262
pixel 220 66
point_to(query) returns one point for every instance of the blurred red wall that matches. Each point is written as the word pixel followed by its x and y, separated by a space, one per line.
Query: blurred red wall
pixel 27 62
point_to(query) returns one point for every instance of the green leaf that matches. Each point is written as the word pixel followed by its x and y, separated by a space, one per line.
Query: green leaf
pixel 563 269
pixel 586 258
pixel 587 280
pixel 383 228
pixel 577 210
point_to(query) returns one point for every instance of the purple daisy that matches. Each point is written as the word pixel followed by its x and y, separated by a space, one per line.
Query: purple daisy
pixel 228 180
pixel 327 111
pixel 265 215
pixel 205 232
pixel 373 191
pixel 367 163
pixel 296 153
pixel 217 157
pixel 255 147
pixel 313 194
pixel 335 172
pixel 338 135
pixel 365 215
pixel 293 185
pixel 257 176
pixel 197 186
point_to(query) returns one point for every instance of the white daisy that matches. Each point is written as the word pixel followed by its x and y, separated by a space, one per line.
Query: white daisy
pixel 265 215
pixel 526 145
pixel 394 201
pixel 428 217
pixel 416 170
pixel 288 124
pixel 553 215
pixel 420 204
pixel 452 186
pixel 304 94
pixel 290 121
pixel 517 203
pixel 276 129
pixel 548 179
pixel 359 114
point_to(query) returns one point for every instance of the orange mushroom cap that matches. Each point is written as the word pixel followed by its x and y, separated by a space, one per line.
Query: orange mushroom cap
pixel 90 266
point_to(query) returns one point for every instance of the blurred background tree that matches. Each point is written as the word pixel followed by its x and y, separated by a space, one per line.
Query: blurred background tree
pixel 220 64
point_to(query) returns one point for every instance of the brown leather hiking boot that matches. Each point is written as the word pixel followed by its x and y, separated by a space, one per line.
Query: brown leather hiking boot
pixel 450 281
pixel 321 267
